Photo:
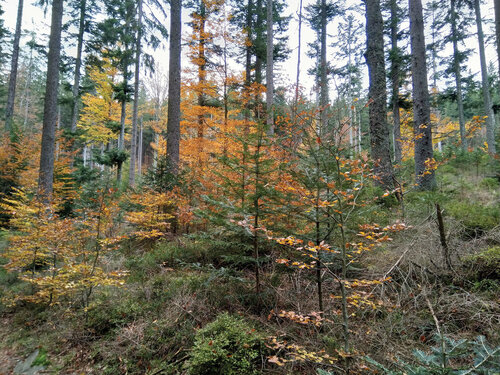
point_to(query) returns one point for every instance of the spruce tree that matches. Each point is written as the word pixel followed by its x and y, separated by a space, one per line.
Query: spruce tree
pixel 379 131
pixel 11 94
pixel 424 177
pixel 174 87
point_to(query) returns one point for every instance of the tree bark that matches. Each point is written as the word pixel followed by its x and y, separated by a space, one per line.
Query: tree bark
pixel 11 95
pixel 174 87
pixel 497 30
pixel 139 150
pixel 395 80
pixel 78 65
pixel 135 109
pixel 458 73
pixel 379 131
pixel 202 77
pixel 424 177
pixel 488 110
pixel 323 99
pixel 46 177
pixel 259 42
pixel 297 81
pixel 270 69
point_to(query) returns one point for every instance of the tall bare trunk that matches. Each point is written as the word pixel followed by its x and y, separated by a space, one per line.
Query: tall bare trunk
pixel 139 151
pixel 270 69
pixel 78 65
pixel 133 142
pixel 202 77
pixel 323 99
pixel 497 30
pixel 488 110
pixel 379 131
pixel 297 81
pixel 259 42
pixel 174 87
pixel 46 177
pixel 458 73
pixel 395 80
pixel 11 95
pixel 424 176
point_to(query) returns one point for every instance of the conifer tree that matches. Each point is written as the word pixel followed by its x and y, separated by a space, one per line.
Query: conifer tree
pixel 174 87
pixel 133 143
pixel 488 109
pixel 497 30
pixel 424 177
pixel 379 131
pixel 83 9
pixel 319 15
pixel 458 60
pixel 397 60
pixel 11 94
pixel 45 182
pixel 270 68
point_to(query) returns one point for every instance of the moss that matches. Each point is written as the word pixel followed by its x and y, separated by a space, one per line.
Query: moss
pixel 41 359
pixel 476 218
pixel 229 345
pixel 485 265
pixel 489 183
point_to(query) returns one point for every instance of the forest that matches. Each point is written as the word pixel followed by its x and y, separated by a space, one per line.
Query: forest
pixel 250 187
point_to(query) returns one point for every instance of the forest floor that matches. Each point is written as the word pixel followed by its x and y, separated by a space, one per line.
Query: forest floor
pixel 157 323
pixel 8 357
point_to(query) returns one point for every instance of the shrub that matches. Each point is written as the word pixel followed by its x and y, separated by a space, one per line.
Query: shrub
pixel 229 345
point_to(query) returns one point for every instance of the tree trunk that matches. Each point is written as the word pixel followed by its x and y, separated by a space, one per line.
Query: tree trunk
pixel 133 142
pixel 259 42
pixel 11 95
pixel 78 64
pixel 497 30
pixel 395 79
pixel 202 77
pixel 379 131
pixel 174 87
pixel 297 81
pixel 46 177
pixel 270 69
pixel 323 99
pixel 488 110
pixel 424 177
pixel 248 45
pixel 123 113
pixel 139 151
pixel 349 80
pixel 458 74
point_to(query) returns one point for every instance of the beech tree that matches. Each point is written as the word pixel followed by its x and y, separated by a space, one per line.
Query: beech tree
pixel 424 176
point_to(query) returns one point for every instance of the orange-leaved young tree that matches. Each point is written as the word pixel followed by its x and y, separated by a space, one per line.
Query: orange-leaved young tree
pixel 61 257
pixel 326 191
